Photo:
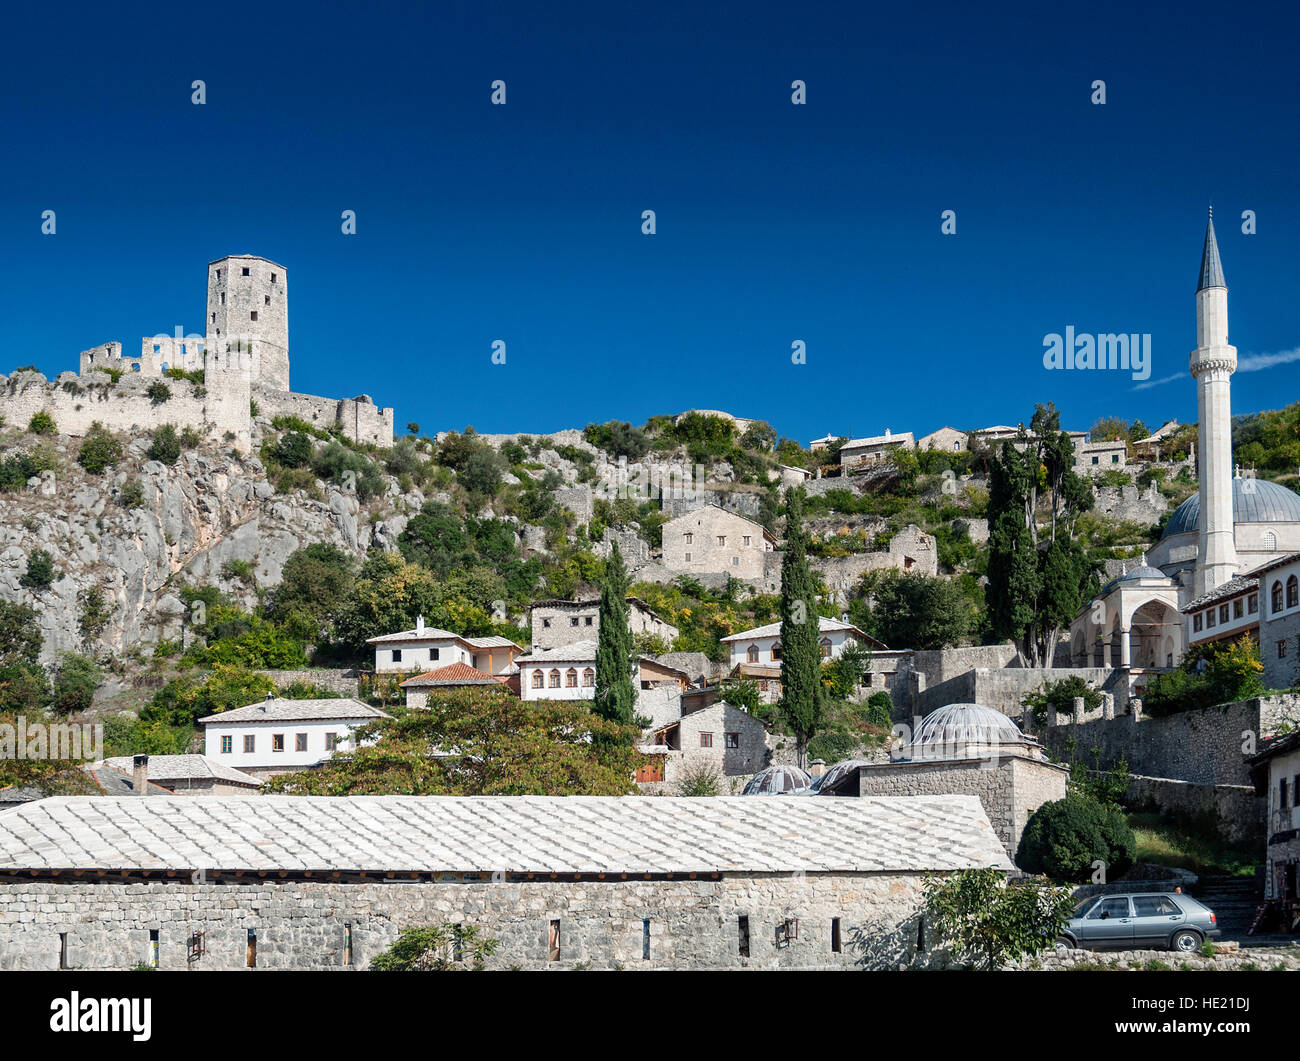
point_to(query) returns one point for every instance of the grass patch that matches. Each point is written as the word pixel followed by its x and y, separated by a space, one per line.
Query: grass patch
pixel 1166 844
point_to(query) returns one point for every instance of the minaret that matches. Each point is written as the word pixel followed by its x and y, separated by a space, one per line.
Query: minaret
pixel 1212 364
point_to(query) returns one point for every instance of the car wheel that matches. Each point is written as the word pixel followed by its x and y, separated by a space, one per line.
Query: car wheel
pixel 1185 941
pixel 1064 943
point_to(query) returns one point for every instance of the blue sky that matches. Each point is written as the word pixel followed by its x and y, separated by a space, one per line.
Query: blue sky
pixel 775 222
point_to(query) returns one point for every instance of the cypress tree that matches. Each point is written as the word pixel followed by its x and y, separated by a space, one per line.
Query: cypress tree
pixel 801 670
pixel 615 694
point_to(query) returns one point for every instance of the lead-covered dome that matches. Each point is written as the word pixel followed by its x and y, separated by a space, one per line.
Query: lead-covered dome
pixel 961 724
pixel 1253 501
pixel 836 775
pixel 775 780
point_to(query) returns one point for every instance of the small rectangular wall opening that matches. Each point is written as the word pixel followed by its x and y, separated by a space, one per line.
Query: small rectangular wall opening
pixel 645 939
pixel 63 950
pixel 250 953
pixel 553 942
pixel 347 943
pixel 835 936
pixel 153 947
pixel 744 937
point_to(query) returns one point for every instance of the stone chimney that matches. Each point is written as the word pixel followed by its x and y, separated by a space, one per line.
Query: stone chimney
pixel 817 767
pixel 419 625
pixel 269 698
pixel 140 774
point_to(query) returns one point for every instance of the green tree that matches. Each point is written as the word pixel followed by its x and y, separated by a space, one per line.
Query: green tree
pixel 294 450
pixel 988 922
pixel 99 450
pixel 802 700
pixel 314 583
pixel 40 572
pixel 502 747
pixel 436 948
pixel 1067 838
pixel 615 696
pixel 24 685
pixel 42 423
pixel 917 611
pixel 1037 576
pixel 166 445
pixel 75 680
pixel 843 675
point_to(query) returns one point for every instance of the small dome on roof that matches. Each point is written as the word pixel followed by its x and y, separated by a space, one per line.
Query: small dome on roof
pixel 960 724
pixel 776 780
pixel 837 775
pixel 1142 571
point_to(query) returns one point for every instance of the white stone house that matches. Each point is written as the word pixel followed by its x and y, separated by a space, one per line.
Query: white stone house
pixel 948 439
pixel 860 452
pixel 1093 458
pixel 569 673
pixel 276 736
pixel 721 737
pixel 756 653
pixel 711 540
pixel 187 775
pixel 427 647
pixel 556 623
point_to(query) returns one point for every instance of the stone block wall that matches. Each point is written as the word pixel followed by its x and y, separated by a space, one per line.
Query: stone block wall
pixel 359 418
pixel 693 924
pixel 344 682
pixel 1237 813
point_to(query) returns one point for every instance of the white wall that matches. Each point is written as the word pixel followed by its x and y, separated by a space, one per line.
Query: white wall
pixel 262 733
pixel 740 649
pixel 426 655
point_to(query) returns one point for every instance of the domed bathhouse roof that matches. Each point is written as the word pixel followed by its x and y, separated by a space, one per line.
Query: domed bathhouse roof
pixel 777 780
pixel 1253 501
pixel 950 731
pixel 1143 570
pixel 836 776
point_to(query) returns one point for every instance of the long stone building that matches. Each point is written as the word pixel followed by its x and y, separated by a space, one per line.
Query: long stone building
pixel 611 882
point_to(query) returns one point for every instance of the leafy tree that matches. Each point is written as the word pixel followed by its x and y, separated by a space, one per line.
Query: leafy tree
pixel 99 450
pixel 1066 838
pixel 95 612
pixel 502 746
pixel 744 694
pixel 349 470
pixel 50 776
pixel 437 948
pixel 481 473
pixel 1060 696
pixel 832 745
pixel 802 698
pixel 989 922
pixel 75 680
pixel 40 572
pixel 759 435
pixel 124 735
pixel 314 583
pixel 618 439
pixel 912 610
pixel 166 445
pixel 436 538
pixel 24 685
pixel 843 675
pixel 880 710
pixel 293 450
pixel 1036 577
pixel 190 696
pixel 615 696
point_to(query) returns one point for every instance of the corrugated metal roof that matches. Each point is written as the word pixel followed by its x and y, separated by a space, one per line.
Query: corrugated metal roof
pixel 539 834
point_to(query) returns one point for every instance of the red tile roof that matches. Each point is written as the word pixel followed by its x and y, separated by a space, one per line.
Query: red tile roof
pixel 452 674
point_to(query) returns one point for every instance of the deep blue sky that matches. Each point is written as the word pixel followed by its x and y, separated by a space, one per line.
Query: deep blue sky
pixel 775 222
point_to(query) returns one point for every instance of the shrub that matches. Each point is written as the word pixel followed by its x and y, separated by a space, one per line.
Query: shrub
pixel 832 745
pixel 95 612
pixel 166 445
pixel 158 392
pixel 348 469
pixel 1065 838
pixel 40 571
pixel 987 921
pixel 42 423
pixel 699 779
pixel 435 948
pixel 75 681
pixel 190 438
pixel 1060 695
pixel 880 710
pixel 293 450
pixel 618 439
pixel 132 494
pixel 99 450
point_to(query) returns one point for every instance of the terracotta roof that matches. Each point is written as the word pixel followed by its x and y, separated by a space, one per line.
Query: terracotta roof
pixel 452 674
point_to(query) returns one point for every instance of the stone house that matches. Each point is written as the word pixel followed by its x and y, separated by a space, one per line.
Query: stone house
pixel 427 647
pixel 569 673
pixel 1093 458
pixel 277 736
pixel 711 540
pixel 186 775
pixel 557 623
pixel 626 882
pixel 1275 774
pixel 720 736
pixel 948 439
pixel 861 452
pixel 1279 621
pixel 756 653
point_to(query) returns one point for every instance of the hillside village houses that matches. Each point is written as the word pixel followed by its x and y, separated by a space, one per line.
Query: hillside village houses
pixel 277 736
pixel 556 623
pixel 756 654
pixel 859 452
pixel 428 647
pixel 712 540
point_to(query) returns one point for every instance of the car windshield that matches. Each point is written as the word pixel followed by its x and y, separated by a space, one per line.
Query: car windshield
pixel 1082 905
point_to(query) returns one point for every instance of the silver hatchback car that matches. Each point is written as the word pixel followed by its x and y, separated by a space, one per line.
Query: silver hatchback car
pixel 1140 920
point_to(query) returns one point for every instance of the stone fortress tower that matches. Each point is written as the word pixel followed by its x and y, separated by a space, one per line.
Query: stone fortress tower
pixel 248 304
pixel 1212 364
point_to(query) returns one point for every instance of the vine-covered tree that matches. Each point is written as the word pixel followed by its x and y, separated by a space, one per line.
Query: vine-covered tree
pixel 615 697
pixel 1038 575
pixel 802 697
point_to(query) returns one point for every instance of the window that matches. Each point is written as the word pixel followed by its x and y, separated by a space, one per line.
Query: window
pixel 690 538
pixel 331 739
pixel 573 621
pixel 722 539
pixel 539 682
pixel 266 300
pixel 1109 908
pixel 1096 460
pixel 1223 613
pixel 253 316
pixel 743 933
pixel 244 271
pixel 249 743
pixel 1270 541
pixel 1238 608
pixel 776 649
pixel 731 740
pixel 745 540
pixel 1210 620
pixel 588 621
pixel 273 278
pixel 223 298
pixel 277 742
pixel 214 318
pixel 735 561
pixel 554 678
pixel 1114 458
pixel 433 653
pixel 397 655
pixel 553 942
pixel 1281 649
pixel 706 740
pixel 250 953
pixel 1281 793
pixel 1292 591
pixel 835 935
pixel 300 742
pixel 588 677
pixel 571 678
pixel 1197 621
pixel 645 938
pixel 1277 597
pixel 153 947
pixel 227 744
pixel 218 274
pixel 1252 603
pixel 688 557
pixel 1154 906
pixel 751 654
pixel 546 624
pixel 889 681
pixel 825 646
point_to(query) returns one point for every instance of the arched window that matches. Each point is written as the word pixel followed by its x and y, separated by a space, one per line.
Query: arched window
pixel 1277 597
pixel 825 644
pixel 588 678
pixel 555 679
pixel 751 654
pixel 1270 541
pixel 539 681
pixel 776 649
pixel 571 678
pixel 1292 591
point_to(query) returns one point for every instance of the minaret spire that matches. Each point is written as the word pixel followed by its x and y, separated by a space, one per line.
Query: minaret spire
pixel 1211 267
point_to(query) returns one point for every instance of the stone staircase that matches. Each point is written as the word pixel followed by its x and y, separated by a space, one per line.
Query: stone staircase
pixel 1233 900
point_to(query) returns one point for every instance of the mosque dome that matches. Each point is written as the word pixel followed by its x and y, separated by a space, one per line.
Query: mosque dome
pixel 1253 501
pixel 1141 571
pixel 837 775
pixel 776 780
pixel 962 724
